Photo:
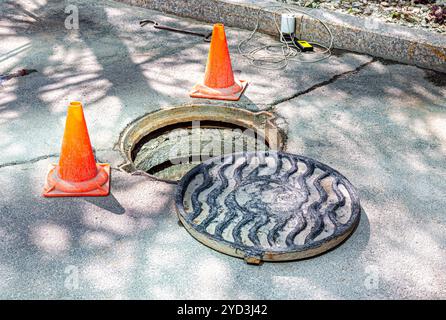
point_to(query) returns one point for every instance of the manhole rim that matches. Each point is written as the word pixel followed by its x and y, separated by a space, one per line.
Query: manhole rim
pixel 131 135
pixel 300 252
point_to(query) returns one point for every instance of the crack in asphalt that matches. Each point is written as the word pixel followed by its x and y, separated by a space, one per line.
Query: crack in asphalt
pixel 323 83
pixel 40 158
pixel 33 160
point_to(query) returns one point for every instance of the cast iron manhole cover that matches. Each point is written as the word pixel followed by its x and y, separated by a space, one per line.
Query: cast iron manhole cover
pixel 267 206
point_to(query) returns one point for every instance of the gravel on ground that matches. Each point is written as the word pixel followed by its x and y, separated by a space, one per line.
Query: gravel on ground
pixel 422 14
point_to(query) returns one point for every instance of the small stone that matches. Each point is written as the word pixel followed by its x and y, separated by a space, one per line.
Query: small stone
pixel 384 4
pixel 410 18
pixel 368 11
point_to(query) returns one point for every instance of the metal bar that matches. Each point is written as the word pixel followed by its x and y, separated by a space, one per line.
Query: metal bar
pixel 205 36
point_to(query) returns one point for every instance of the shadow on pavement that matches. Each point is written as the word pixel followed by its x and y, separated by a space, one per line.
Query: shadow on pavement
pixel 108 203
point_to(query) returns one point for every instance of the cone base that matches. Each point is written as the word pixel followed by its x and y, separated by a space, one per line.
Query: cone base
pixel 232 93
pixel 99 186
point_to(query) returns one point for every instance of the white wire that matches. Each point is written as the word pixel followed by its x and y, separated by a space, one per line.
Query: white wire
pixel 277 56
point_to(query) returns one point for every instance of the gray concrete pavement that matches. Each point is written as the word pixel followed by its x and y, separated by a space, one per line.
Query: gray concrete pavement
pixel 383 125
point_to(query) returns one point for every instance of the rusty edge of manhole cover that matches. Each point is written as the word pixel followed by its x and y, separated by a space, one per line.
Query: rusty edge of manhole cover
pixel 298 209
pixel 261 121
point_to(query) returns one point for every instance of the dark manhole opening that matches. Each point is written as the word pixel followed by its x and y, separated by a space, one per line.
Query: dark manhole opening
pixel 168 153
pixel 168 143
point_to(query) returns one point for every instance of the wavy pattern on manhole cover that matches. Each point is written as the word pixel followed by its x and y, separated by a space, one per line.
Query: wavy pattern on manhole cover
pixel 268 206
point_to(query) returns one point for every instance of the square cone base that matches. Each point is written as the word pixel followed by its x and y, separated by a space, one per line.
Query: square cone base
pixel 216 94
pixel 51 191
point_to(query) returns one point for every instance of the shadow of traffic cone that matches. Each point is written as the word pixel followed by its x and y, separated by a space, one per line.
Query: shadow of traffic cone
pixel 77 173
pixel 219 82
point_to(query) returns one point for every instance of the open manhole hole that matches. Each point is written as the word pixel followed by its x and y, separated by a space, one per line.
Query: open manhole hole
pixel 269 206
pixel 167 144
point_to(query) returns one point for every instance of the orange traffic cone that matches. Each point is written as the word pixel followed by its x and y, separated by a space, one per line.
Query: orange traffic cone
pixel 77 173
pixel 219 82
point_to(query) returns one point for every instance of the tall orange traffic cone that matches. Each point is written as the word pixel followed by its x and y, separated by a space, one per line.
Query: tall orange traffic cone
pixel 77 173
pixel 219 82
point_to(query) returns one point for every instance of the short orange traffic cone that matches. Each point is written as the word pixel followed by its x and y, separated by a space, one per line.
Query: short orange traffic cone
pixel 77 173
pixel 219 82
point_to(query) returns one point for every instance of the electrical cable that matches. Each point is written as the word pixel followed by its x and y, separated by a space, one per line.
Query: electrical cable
pixel 277 56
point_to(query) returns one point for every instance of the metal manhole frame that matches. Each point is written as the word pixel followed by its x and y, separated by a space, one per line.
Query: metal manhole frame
pixel 143 126
pixel 255 257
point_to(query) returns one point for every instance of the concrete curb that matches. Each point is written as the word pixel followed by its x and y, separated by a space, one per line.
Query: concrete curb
pixel 363 35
